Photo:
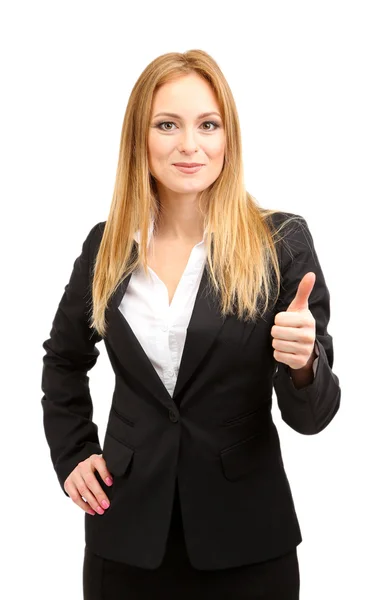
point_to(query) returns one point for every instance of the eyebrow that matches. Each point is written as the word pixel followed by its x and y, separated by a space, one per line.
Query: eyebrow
pixel 175 116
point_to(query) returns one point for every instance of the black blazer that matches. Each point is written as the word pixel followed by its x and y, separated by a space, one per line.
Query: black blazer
pixel 216 434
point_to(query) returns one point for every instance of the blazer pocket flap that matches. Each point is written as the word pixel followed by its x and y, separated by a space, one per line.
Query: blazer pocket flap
pixel 257 452
pixel 116 454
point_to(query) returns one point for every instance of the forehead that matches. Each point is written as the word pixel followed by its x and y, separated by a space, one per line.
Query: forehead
pixel 188 96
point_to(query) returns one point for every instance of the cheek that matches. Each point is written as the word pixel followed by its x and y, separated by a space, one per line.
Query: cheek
pixel 155 149
pixel 215 150
pixel 158 147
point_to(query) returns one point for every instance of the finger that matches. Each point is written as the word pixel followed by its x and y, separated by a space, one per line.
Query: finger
pixel 101 466
pixel 98 493
pixel 291 347
pixel 82 482
pixel 74 494
pixel 286 333
pixel 294 319
pixel 287 358
pixel 300 301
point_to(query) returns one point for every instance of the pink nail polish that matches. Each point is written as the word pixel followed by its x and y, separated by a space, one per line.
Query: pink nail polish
pixel 108 481
pixel 91 512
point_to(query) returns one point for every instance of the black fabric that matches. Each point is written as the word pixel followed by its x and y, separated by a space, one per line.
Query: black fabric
pixel 215 433
pixel 103 579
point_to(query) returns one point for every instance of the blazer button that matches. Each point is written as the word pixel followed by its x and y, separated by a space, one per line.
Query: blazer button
pixel 173 416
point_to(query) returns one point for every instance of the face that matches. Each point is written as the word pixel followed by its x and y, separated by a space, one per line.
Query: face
pixel 187 137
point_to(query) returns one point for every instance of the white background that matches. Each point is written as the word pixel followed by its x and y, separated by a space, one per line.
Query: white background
pixel 307 78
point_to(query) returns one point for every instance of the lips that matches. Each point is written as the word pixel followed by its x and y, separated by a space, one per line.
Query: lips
pixel 181 164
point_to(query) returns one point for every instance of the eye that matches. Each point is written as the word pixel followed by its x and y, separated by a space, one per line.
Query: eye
pixel 159 125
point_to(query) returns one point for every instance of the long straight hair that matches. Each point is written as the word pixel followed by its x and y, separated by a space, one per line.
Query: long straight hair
pixel 240 239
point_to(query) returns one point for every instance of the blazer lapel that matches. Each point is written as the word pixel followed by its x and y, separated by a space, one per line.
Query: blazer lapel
pixel 204 325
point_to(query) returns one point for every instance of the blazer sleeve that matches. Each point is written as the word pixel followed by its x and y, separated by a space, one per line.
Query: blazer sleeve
pixel 70 354
pixel 308 410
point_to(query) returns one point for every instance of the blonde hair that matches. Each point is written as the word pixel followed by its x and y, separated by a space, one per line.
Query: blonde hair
pixel 242 262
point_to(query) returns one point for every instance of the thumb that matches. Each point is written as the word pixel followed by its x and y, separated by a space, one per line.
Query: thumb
pixel 300 301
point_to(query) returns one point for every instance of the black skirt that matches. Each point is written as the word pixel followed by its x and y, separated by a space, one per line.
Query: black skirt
pixel 104 579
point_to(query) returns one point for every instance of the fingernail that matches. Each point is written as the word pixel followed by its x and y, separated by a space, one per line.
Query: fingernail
pixel 91 512
pixel 99 510
pixel 108 481
pixel 104 503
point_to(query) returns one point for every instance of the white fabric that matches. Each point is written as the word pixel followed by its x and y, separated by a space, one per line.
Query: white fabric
pixel 161 328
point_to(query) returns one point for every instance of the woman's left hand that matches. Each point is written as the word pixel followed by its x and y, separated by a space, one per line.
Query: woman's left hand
pixel 294 332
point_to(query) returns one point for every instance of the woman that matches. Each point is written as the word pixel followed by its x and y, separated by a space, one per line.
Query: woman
pixel 205 302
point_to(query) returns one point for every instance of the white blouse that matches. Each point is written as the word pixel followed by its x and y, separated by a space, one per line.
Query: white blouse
pixel 161 328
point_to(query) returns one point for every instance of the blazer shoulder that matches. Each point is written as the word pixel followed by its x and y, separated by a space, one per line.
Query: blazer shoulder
pixel 95 235
pixel 98 229
pixel 292 233
pixel 279 217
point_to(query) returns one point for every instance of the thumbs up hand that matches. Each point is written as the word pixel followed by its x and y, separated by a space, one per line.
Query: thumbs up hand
pixel 294 332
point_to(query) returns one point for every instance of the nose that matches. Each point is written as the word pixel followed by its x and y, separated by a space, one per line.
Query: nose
pixel 188 142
